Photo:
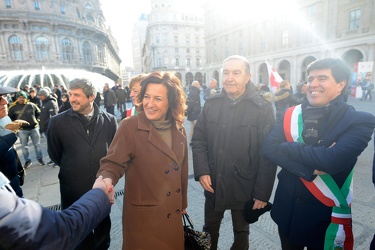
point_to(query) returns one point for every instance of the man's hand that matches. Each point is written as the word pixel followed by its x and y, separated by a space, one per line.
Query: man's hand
pixel 205 181
pixel 258 204
pixel 104 185
pixel 16 125
pixel 317 172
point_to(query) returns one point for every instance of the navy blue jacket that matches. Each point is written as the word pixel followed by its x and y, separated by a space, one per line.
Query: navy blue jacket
pixel 24 224
pixel 299 215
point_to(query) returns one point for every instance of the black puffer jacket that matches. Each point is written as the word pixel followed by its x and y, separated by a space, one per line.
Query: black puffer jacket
pixel 226 145
pixel 49 109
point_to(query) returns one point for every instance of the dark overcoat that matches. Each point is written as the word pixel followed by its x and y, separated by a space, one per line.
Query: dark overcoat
pixel 343 135
pixel 194 104
pixel 70 148
pixel 226 145
pixel 155 183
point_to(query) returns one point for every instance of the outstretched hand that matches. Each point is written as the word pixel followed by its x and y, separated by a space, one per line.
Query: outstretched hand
pixel 16 125
pixel 106 186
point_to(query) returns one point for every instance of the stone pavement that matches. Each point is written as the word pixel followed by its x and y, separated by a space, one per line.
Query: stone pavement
pixel 42 185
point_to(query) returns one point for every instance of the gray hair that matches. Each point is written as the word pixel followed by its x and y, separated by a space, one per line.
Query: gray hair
pixel 241 58
pixel 85 84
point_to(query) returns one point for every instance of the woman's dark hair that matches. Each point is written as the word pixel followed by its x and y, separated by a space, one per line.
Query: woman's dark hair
pixel 175 92
pixel 66 96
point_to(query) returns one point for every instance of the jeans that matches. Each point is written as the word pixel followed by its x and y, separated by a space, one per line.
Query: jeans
pixel 24 134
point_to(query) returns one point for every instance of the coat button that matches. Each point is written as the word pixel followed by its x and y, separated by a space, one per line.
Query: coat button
pixel 176 168
pixel 178 211
pixel 168 193
pixel 178 190
pixel 169 216
pixel 167 171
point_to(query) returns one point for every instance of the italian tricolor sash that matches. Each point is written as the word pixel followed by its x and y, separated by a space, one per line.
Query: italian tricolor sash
pixel 131 111
pixel 339 233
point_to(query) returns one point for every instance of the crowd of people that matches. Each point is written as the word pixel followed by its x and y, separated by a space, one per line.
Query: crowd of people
pixel 238 138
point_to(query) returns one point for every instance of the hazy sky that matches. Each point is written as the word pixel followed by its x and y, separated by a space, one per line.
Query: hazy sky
pixel 120 16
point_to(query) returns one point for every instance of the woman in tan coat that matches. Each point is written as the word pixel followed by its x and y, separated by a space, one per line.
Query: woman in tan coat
pixel 151 150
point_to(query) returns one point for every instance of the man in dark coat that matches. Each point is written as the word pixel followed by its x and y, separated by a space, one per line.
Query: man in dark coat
pixel 226 151
pixel 49 109
pixel 194 106
pixel 316 144
pixel 110 99
pixel 77 140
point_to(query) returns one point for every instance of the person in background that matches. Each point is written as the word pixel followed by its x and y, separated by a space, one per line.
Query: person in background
pixel 34 97
pixel 194 106
pixel 284 98
pixel 211 90
pixel 151 150
pixel 98 98
pixel 121 98
pixel 22 109
pixel 301 91
pixel 48 110
pixel 316 144
pixel 109 99
pixel 58 94
pixel 226 152
pixel 63 90
pixel 77 140
pixel 24 224
pixel 65 105
pixel 134 88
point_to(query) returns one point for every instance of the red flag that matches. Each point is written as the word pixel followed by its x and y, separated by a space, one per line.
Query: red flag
pixel 275 78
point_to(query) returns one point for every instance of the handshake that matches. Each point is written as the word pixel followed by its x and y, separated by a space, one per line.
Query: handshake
pixel 106 186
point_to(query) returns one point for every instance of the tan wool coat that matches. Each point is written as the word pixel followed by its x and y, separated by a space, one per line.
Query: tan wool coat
pixel 156 179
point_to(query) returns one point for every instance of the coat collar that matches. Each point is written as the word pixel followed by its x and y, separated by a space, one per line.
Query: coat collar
pixel 178 138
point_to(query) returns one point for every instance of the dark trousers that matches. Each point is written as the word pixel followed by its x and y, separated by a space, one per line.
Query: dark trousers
pixel 372 245
pixel 212 221
pixel 287 245
pixel 110 109
pixel 99 238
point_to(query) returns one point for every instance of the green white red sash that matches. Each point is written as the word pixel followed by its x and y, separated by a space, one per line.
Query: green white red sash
pixel 339 233
pixel 131 111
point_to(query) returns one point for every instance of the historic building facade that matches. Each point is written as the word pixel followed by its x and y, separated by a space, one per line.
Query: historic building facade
pixel 175 41
pixel 58 35
pixel 289 39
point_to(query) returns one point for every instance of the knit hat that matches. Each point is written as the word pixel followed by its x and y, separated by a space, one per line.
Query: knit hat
pixel 44 92
pixel 22 93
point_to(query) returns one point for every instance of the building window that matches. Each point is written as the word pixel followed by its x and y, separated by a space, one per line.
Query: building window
pixel 187 39
pixel 176 50
pixel 198 62
pixel 87 52
pixel 177 62
pixel 62 9
pixel 285 38
pixel 42 48
pixel 176 39
pixel 188 50
pixel 36 5
pixel 188 62
pixel 67 50
pixel 101 54
pixel 197 39
pixel 8 4
pixel 263 43
pixel 157 39
pixel 197 51
pixel 240 49
pixel 311 10
pixel 354 19
pixel 15 48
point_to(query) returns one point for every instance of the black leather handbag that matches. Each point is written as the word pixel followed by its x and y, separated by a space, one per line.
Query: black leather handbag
pixel 195 240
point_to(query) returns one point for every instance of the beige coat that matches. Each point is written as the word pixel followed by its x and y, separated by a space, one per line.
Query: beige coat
pixel 155 183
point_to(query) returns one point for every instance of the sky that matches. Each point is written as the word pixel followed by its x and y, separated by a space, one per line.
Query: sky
pixel 120 16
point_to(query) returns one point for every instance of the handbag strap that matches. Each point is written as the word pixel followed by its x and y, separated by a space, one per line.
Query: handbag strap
pixel 22 111
pixel 186 217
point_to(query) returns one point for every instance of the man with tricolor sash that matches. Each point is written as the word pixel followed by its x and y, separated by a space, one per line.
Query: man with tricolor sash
pixel 316 144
